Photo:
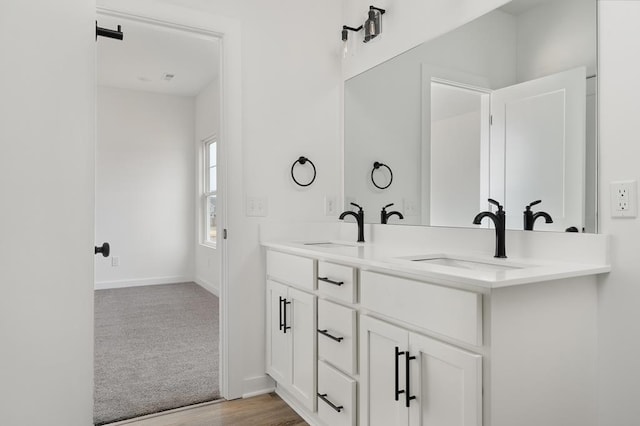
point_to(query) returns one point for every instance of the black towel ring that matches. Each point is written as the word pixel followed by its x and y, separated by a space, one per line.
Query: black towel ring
pixel 376 166
pixel 303 160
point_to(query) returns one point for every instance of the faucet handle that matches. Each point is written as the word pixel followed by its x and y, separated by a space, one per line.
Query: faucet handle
pixel 495 203
pixel 354 204
pixel 533 204
pixel 388 205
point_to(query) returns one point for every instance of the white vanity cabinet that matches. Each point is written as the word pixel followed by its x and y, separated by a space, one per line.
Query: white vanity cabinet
pixel 410 379
pixel 291 328
pixel 356 343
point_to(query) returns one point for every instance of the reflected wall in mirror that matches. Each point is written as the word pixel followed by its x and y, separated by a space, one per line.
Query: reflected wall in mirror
pixel 503 107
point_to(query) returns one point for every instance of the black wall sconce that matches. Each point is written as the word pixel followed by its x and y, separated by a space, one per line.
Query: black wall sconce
pixel 373 24
pixel 345 38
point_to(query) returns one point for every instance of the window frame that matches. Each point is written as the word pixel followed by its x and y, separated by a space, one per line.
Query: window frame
pixel 205 235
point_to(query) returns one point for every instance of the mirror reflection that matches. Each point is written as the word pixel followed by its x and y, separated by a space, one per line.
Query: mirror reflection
pixel 503 107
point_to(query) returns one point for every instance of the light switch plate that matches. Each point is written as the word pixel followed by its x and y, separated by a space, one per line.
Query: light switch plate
pixel 624 198
pixel 330 208
pixel 257 206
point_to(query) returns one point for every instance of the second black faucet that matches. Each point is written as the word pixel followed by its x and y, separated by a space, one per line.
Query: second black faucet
pixel 384 215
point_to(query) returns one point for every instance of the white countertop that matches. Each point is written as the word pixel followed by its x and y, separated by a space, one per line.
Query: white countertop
pixel 398 259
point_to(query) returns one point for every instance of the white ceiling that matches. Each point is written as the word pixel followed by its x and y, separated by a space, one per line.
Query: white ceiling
pixel 147 52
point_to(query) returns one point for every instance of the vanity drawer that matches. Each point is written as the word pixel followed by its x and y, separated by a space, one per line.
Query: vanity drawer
pixel 336 397
pixel 337 281
pixel 447 311
pixel 337 336
pixel 290 269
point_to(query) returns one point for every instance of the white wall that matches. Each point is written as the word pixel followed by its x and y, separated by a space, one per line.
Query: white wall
pixel 46 218
pixel 144 187
pixel 207 261
pixel 619 298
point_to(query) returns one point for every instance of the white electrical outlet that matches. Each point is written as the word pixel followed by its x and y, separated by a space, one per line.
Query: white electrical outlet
pixel 624 198
pixel 330 205
pixel 115 261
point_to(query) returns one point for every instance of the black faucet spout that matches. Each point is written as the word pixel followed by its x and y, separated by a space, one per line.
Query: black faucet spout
pixel 384 215
pixel 499 224
pixel 531 217
pixel 359 216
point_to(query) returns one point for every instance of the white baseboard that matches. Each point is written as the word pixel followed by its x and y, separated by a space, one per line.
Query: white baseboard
pixel 258 385
pixel 103 285
pixel 209 286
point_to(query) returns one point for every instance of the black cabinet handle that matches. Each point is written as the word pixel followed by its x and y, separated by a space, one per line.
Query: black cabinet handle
pixel 105 249
pixel 327 280
pixel 280 311
pixel 284 323
pixel 326 333
pixel 397 390
pixel 408 380
pixel 323 396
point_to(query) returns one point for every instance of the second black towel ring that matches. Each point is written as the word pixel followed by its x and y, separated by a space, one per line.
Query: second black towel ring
pixel 303 160
pixel 376 166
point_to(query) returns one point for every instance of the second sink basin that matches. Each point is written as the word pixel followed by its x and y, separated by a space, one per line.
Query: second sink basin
pixel 462 263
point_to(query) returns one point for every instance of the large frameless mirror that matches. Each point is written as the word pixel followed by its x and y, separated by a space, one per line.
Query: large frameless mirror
pixel 503 107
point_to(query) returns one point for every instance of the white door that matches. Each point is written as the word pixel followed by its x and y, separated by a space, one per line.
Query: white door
pixel 382 373
pixel 300 315
pixel 278 342
pixel 447 384
pixel 538 148
pixel 46 220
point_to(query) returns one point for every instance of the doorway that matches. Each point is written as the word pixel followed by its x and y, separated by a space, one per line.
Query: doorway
pixel 158 99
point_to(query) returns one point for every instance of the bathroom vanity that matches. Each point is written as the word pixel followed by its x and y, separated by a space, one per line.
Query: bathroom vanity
pixel 423 326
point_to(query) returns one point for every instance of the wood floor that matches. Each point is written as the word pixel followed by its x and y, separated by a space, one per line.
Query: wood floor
pixel 263 410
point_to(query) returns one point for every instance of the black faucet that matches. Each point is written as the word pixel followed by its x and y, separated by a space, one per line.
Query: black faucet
pixel 359 219
pixel 384 216
pixel 498 219
pixel 530 217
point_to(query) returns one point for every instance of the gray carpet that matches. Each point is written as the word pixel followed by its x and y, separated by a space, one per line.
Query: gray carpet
pixel 156 348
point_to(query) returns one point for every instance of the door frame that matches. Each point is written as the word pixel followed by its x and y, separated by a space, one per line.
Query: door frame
pixel 229 34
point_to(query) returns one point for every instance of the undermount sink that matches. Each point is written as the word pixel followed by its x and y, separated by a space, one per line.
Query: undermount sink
pixel 470 264
pixel 329 244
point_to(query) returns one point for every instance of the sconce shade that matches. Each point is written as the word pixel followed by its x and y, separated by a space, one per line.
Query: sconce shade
pixel 373 24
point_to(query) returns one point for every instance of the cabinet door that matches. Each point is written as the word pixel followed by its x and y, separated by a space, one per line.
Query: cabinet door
pixel 278 343
pixel 382 373
pixel 447 384
pixel 301 317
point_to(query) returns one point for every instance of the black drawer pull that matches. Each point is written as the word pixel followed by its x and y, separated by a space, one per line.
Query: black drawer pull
pixel 326 333
pixel 285 327
pixel 280 307
pixel 408 395
pixel 397 378
pixel 327 280
pixel 323 396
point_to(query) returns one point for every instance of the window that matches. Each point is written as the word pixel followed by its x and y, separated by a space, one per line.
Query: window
pixel 210 190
